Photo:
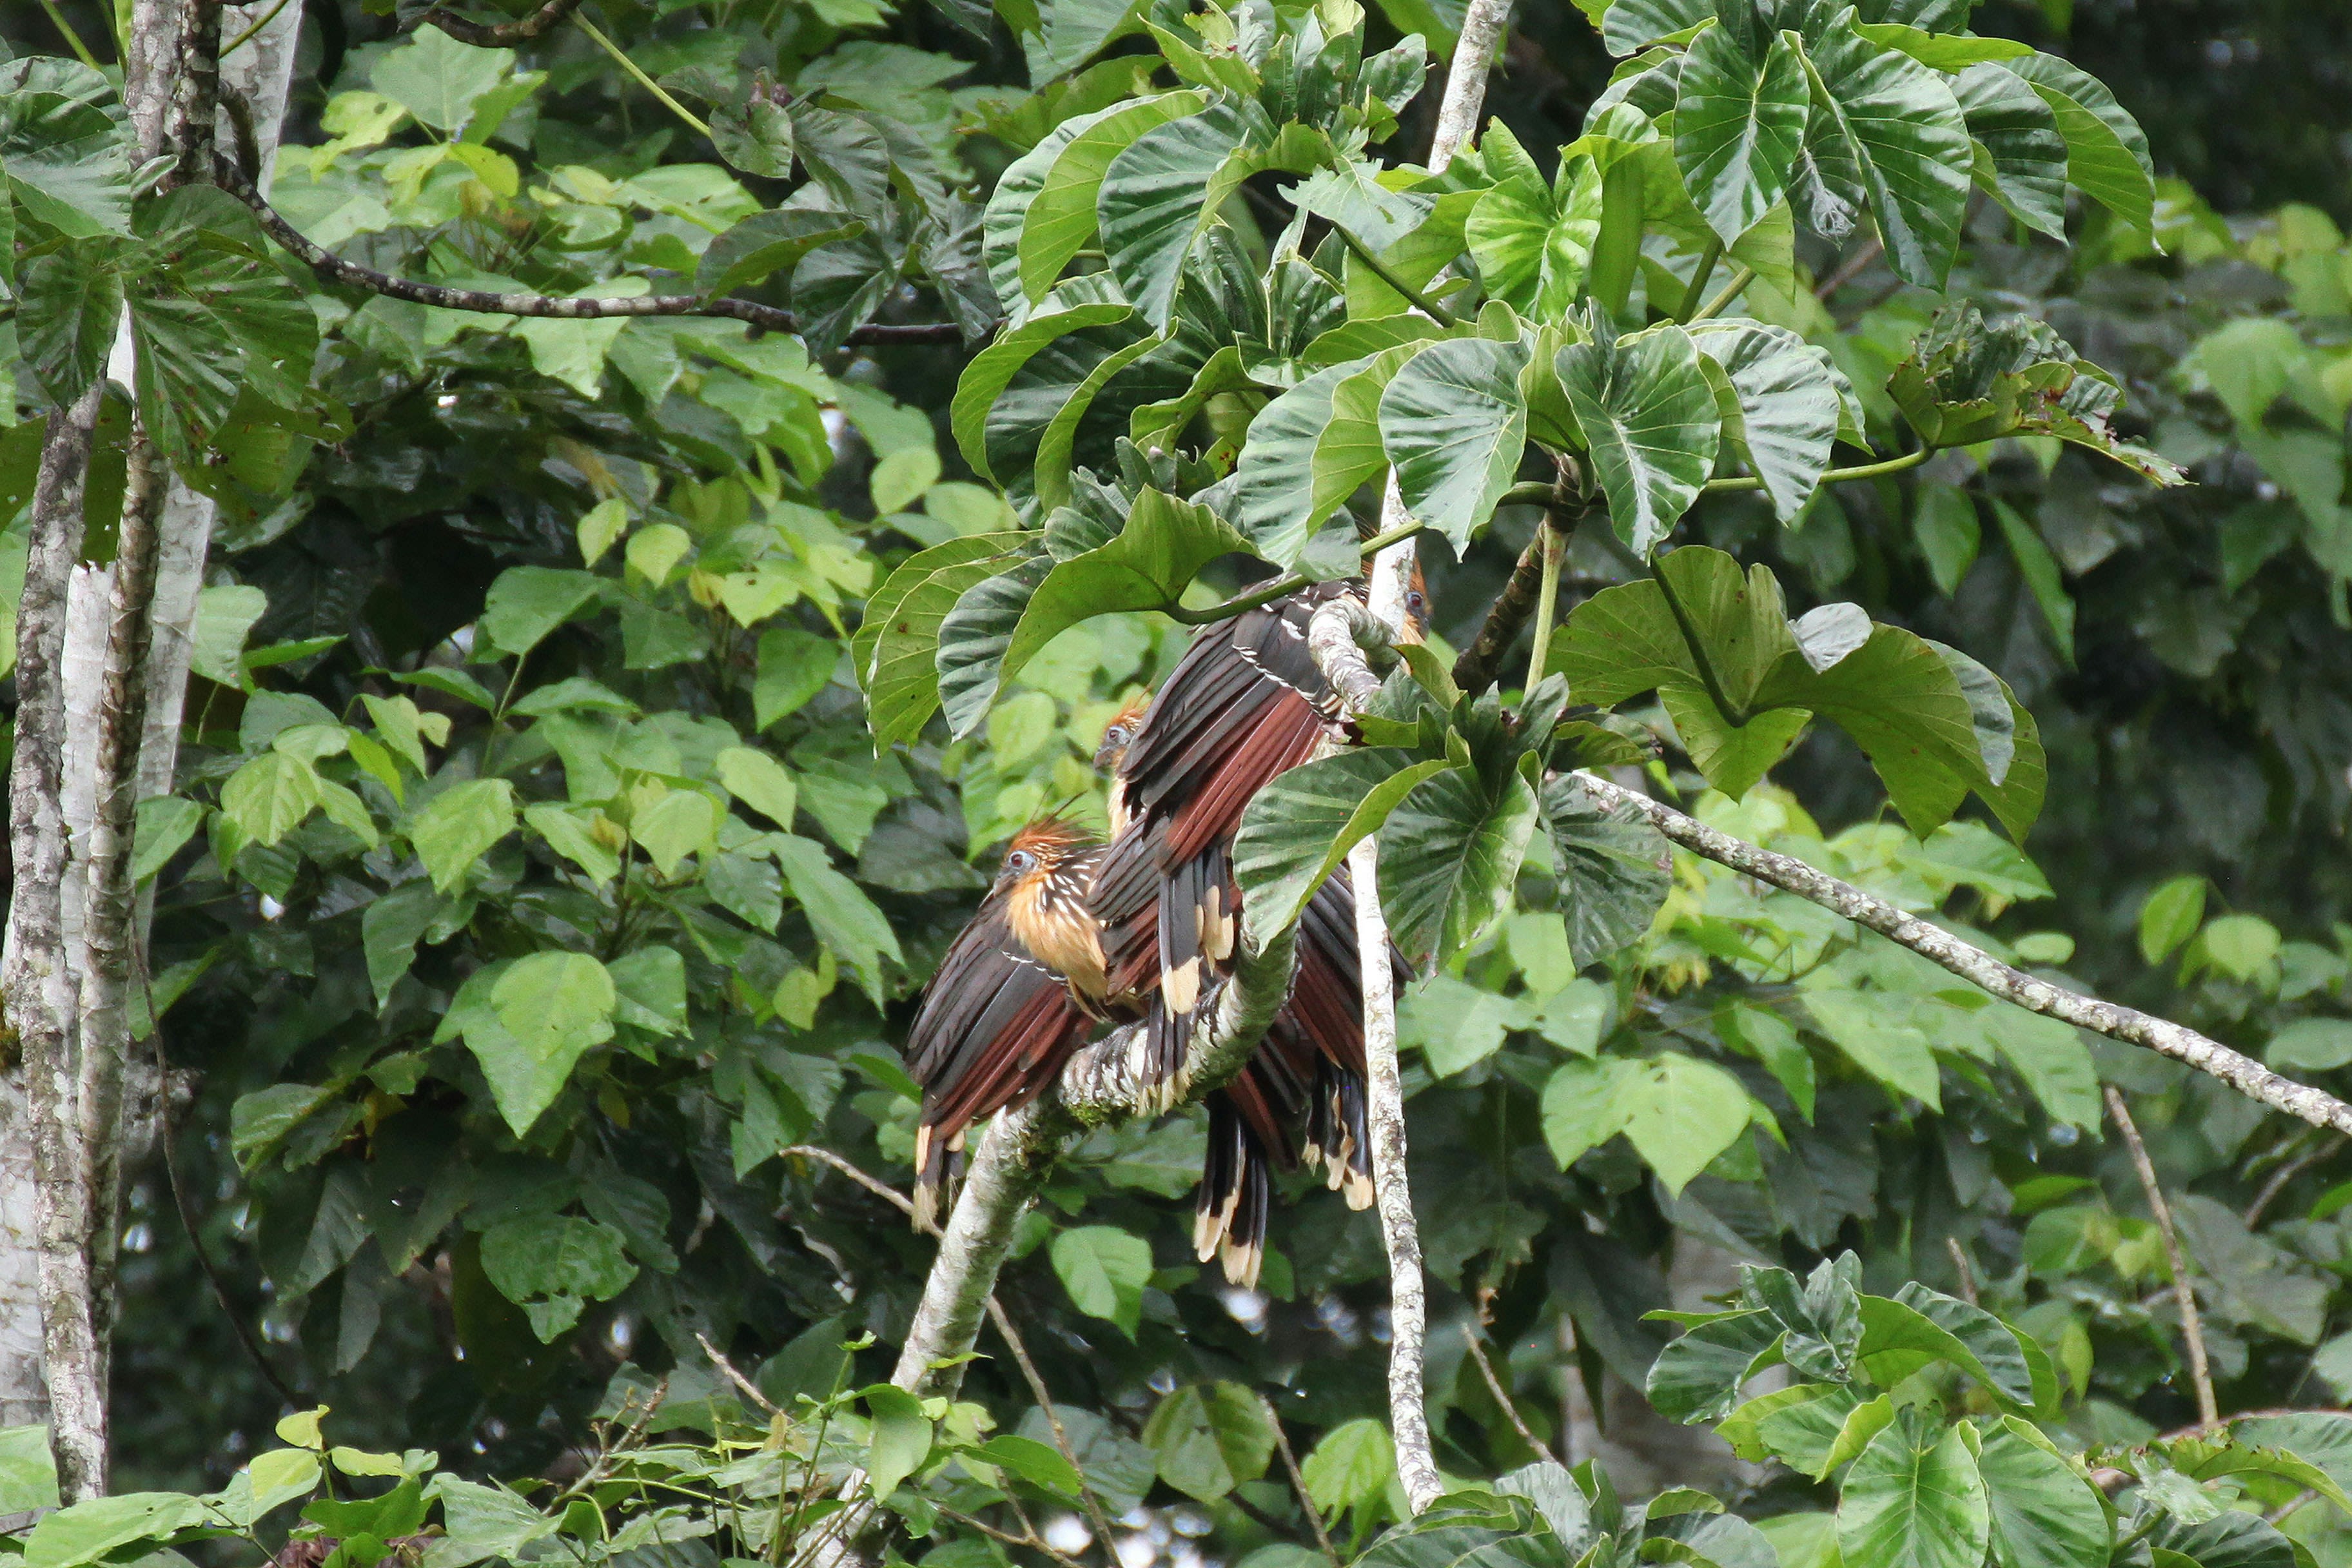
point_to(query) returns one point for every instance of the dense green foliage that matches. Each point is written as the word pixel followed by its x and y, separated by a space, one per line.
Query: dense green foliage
pixel 534 881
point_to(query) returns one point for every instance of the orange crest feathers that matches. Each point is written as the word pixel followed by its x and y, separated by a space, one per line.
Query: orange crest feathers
pixel 1049 839
pixel 1120 732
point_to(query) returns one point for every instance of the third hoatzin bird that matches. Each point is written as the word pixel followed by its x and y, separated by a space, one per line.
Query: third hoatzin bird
pixel 1309 1068
pixel 1018 992
pixel 1245 704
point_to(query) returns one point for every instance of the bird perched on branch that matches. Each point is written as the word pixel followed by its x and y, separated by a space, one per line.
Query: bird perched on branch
pixel 1302 1088
pixel 1245 704
pixel 1021 987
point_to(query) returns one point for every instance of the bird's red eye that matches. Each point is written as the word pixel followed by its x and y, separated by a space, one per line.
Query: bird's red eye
pixel 1021 862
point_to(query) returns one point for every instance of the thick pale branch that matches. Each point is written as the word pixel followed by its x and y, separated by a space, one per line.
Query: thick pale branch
pixel 2183 1045
pixel 351 275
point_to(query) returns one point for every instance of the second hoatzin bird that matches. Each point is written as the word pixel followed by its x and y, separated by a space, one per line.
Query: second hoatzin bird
pixel 1303 1087
pixel 1246 703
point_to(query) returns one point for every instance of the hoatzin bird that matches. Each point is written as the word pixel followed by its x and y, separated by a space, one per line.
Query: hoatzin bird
pixel 1244 705
pixel 1018 992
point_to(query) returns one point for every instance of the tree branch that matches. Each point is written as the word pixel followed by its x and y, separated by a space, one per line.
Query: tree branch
pixel 351 275
pixel 2193 1331
pixel 500 34
pixel 2004 981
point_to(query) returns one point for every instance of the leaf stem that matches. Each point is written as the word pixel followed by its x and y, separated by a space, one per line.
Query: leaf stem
pixel 1696 292
pixel 1833 477
pixel 1715 307
pixel 1555 551
pixel 1381 269
pixel 1733 714
pixel 630 66
pixel 81 49
pixel 1288 583
pixel 247 37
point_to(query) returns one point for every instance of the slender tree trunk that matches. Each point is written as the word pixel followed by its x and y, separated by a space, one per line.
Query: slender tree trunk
pixel 37 980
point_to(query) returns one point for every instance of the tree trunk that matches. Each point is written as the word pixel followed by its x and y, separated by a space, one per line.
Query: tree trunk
pixel 96 734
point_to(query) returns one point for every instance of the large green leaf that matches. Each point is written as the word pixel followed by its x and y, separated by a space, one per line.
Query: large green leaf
pixel 1210 1438
pixel 1792 400
pixel 896 646
pixel 767 243
pixel 211 317
pixel 69 304
pixel 973 636
pixel 1163 189
pixel 552 1265
pixel 1454 426
pixel 2106 153
pixel 1650 421
pixel 1164 545
pixel 899 1440
pixel 2044 1514
pixel 1300 828
pixel 1533 242
pixel 1968 380
pixel 65 145
pixel 438 79
pixel 1614 870
pixel 1933 723
pixel 1680 1113
pixel 2021 156
pixel 541 1016
pixel 838 910
pixel 1630 24
pixel 457 826
pixel 1908 142
pixel 1698 1376
pixel 1739 120
pixel 1450 854
pixel 1105 1270
pixel 1060 220
pixel 1914 1499
pixel 991 370
pixel 1281 495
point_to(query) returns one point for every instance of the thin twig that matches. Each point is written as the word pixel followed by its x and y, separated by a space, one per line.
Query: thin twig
pixel 500 34
pixel 1730 291
pixel 1502 1394
pixel 1960 1266
pixel 879 1188
pixel 267 18
pixel 1283 586
pixel 1389 276
pixel 2288 1173
pixel 1694 293
pixel 620 57
pixel 1034 1542
pixel 1851 269
pixel 1044 1398
pixel 1298 1482
pixel 748 1389
pixel 2192 1328
pixel 335 269
pixel 73 39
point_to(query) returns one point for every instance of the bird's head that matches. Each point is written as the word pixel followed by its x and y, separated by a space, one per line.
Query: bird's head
pixel 1040 849
pixel 1119 733
pixel 1417 606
